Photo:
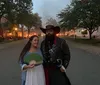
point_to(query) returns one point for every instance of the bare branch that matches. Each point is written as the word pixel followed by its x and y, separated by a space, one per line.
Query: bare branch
pixel 95 29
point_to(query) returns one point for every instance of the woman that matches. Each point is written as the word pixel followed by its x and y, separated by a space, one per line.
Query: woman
pixel 31 74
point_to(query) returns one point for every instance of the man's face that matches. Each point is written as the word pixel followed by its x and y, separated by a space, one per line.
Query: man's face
pixel 49 32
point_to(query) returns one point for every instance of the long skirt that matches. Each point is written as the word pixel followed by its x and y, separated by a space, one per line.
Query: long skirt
pixel 35 76
pixel 55 77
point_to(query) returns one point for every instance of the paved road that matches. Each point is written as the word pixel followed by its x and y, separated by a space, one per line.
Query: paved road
pixel 84 67
pixel 9 68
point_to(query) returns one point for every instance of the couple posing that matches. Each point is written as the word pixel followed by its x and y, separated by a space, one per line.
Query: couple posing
pixel 56 57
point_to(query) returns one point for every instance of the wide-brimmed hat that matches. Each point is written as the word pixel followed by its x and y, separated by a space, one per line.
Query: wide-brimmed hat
pixel 55 28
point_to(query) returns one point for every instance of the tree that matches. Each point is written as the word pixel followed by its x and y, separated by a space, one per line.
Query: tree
pixel 67 18
pixel 15 10
pixel 89 16
pixel 6 8
pixel 37 20
pixel 20 12
pixel 81 14
pixel 29 20
pixel 33 20
pixel 23 8
pixel 52 21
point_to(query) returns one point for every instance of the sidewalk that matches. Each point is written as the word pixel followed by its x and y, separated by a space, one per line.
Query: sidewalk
pixel 88 48
pixel 6 45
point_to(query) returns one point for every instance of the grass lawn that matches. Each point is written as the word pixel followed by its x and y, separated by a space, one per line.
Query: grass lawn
pixel 95 42
pixel 7 41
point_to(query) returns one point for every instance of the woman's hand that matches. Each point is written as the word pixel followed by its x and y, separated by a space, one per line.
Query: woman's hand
pixel 27 67
pixel 33 62
pixel 30 66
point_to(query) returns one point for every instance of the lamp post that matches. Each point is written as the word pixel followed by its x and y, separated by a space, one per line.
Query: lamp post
pixel 16 29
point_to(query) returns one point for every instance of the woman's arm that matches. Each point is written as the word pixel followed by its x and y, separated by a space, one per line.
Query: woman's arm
pixel 25 66
pixel 22 65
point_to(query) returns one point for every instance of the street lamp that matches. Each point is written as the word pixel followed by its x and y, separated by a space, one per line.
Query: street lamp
pixel 15 29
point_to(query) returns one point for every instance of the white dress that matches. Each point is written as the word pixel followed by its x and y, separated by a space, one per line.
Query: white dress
pixel 35 76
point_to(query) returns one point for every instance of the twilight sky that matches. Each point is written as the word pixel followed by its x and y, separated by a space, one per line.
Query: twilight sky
pixel 49 8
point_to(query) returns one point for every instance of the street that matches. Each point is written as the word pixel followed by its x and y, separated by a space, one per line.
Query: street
pixel 83 69
pixel 9 67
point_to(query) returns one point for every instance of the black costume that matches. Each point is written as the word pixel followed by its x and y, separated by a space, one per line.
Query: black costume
pixel 55 53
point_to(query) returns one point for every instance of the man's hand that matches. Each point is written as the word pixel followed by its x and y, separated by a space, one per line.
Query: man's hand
pixel 62 69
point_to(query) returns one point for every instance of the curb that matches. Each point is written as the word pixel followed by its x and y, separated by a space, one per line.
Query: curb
pixel 6 45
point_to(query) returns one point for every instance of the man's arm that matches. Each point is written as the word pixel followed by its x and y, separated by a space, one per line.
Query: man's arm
pixel 66 53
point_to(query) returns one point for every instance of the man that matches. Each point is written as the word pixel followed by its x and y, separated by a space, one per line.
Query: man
pixel 56 57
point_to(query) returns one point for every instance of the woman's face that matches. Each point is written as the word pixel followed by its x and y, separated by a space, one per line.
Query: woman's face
pixel 35 42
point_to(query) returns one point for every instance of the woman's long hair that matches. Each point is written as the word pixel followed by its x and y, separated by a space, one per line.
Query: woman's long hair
pixel 26 48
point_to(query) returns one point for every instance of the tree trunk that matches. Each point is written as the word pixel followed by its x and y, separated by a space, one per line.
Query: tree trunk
pixel 22 31
pixel 2 31
pixel 74 35
pixel 28 32
pixel 1 27
pixel 90 34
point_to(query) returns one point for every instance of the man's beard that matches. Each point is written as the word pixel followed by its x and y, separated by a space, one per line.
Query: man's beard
pixel 50 37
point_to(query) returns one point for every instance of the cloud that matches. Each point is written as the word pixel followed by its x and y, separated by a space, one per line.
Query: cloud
pixel 49 8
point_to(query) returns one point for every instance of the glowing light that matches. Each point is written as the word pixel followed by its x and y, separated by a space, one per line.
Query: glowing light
pixel 35 34
pixel 57 34
pixel 15 29
pixel 9 34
